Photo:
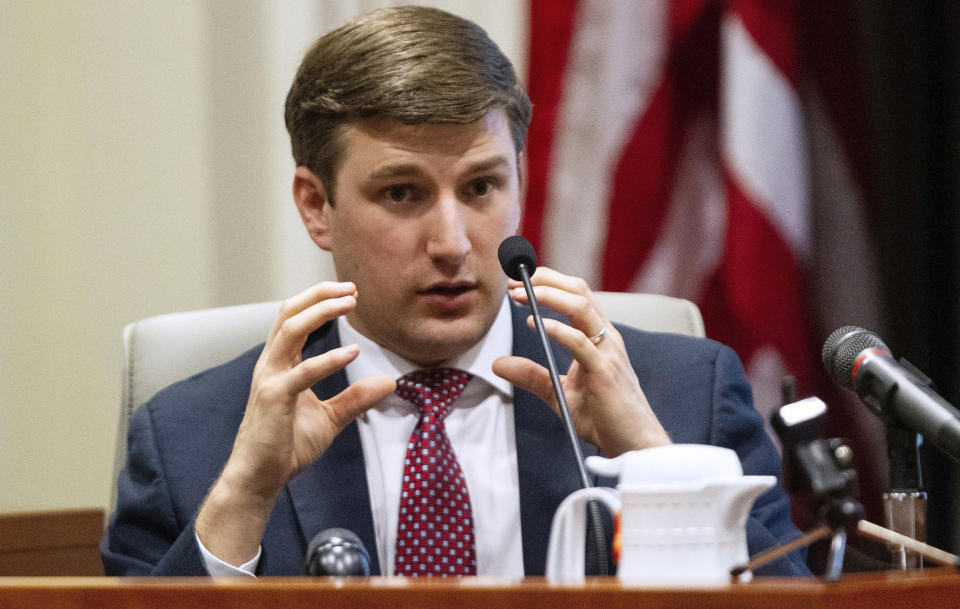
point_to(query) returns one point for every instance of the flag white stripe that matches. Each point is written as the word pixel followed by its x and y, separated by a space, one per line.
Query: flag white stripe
pixel 615 63
pixel 761 124
pixel 690 243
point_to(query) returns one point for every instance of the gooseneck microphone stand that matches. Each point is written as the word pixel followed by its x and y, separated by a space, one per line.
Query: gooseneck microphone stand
pixel 519 262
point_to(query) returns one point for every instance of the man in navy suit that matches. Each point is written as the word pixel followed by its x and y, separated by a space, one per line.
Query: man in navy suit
pixel 407 126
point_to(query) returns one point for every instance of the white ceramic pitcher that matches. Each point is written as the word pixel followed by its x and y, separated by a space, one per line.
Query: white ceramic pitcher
pixel 683 513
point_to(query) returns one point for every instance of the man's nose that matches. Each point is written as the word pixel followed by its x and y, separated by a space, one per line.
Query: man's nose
pixel 447 239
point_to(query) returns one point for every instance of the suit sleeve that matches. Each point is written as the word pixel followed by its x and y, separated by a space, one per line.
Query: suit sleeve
pixel 739 426
pixel 145 536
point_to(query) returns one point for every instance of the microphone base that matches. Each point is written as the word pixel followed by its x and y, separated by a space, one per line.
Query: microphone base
pixel 905 512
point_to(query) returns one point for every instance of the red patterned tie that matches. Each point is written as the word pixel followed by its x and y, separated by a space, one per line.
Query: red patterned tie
pixel 435 529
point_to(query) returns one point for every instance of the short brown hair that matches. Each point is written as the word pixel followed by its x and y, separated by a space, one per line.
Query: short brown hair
pixel 412 64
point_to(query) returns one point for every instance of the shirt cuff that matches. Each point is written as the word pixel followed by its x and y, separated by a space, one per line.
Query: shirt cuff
pixel 218 568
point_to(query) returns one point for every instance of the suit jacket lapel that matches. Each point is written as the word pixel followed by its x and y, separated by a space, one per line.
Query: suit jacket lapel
pixel 546 463
pixel 333 491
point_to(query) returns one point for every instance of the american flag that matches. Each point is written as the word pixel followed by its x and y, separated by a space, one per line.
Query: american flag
pixel 707 149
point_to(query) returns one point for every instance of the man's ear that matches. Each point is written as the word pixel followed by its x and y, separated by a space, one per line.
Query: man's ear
pixel 313 205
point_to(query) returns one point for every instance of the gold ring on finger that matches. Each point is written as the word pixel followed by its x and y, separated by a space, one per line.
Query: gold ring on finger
pixel 599 336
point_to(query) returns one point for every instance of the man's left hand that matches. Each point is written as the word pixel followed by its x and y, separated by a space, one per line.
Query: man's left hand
pixel 607 406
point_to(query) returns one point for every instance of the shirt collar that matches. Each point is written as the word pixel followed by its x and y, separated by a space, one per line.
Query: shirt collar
pixel 478 360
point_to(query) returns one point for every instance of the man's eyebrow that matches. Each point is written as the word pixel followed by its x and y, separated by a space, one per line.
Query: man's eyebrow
pixel 401 170
pixel 395 170
pixel 497 162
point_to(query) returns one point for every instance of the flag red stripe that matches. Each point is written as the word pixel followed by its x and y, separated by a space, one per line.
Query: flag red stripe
pixel 771 24
pixel 755 298
pixel 644 177
pixel 641 191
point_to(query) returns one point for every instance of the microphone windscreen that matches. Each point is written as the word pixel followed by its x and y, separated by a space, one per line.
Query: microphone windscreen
pixel 338 552
pixel 516 251
pixel 334 535
pixel 841 349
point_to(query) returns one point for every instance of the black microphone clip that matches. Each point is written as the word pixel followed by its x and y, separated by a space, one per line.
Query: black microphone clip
pixel 818 469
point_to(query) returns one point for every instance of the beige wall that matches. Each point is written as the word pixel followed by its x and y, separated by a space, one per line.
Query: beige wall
pixel 143 169
pixel 105 172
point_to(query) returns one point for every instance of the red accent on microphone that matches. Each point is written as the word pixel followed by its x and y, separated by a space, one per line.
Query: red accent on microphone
pixel 863 356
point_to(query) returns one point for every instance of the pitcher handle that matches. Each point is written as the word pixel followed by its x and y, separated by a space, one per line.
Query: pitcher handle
pixel 565 551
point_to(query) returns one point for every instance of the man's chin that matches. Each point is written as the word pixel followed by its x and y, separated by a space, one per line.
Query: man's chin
pixel 439 341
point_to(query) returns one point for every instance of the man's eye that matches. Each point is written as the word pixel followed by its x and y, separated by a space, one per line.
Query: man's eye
pixel 480 188
pixel 398 193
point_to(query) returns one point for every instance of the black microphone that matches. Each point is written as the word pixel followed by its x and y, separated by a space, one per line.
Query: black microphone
pixel 859 360
pixel 337 552
pixel 516 253
pixel 519 261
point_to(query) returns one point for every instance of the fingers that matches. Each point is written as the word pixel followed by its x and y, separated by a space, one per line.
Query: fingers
pixel 308 372
pixel 566 295
pixel 301 315
pixel 579 309
pixel 359 397
pixel 546 276
pixel 295 305
pixel 580 346
pixel 523 373
pixel 570 296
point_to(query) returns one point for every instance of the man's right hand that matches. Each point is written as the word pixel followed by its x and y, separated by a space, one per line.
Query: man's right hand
pixel 285 427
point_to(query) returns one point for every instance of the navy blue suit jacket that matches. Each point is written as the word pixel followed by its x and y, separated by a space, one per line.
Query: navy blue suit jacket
pixel 181 439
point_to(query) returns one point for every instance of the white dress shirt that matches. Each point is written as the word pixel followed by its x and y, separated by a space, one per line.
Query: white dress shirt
pixel 481 430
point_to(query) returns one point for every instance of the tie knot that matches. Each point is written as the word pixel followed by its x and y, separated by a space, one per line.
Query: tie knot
pixel 433 390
